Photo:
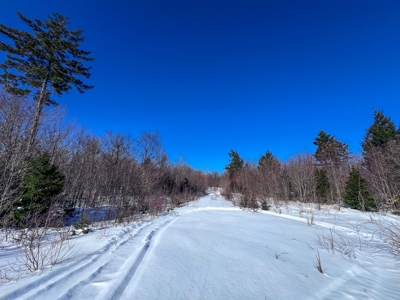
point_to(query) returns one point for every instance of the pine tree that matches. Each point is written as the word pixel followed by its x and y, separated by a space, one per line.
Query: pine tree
pixel 267 161
pixel 46 62
pixel 235 163
pixel 381 132
pixel 357 194
pixel 330 150
pixel 41 182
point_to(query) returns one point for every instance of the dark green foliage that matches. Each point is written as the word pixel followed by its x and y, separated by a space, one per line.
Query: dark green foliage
pixel 268 161
pixel 235 163
pixel 322 139
pixel 83 224
pixel 41 182
pixel 47 62
pixel 49 56
pixel 357 194
pixel 330 150
pixel 323 186
pixel 264 205
pixel 380 132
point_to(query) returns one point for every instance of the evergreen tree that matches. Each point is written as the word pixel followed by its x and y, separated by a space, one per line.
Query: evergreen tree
pixel 264 205
pixel 267 161
pixel 47 61
pixel 41 182
pixel 234 166
pixel 380 132
pixel 235 163
pixel 322 139
pixel 357 194
pixel 330 150
pixel 323 187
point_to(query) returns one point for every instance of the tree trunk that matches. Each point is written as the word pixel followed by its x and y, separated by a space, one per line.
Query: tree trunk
pixel 38 110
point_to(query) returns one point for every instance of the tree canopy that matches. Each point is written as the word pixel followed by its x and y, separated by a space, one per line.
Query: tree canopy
pixel 267 160
pixel 329 149
pixel 45 62
pixel 380 132
pixel 50 56
pixel 235 162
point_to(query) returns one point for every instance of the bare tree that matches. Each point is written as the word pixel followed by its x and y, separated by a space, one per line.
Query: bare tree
pixel 15 123
pixel 150 148
pixel 112 170
pixel 300 170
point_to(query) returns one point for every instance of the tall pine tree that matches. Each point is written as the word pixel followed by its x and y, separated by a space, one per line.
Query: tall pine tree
pixel 46 62
pixel 235 165
pixel 380 133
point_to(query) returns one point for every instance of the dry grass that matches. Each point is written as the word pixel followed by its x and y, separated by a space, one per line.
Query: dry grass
pixel 318 265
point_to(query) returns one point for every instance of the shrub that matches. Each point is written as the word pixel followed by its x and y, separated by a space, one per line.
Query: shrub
pixel 83 224
pixel 41 182
pixel 264 205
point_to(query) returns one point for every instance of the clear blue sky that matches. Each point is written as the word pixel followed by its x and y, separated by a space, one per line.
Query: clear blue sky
pixel 211 76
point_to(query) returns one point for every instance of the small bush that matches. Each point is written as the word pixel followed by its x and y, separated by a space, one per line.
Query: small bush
pixel 83 224
pixel 264 205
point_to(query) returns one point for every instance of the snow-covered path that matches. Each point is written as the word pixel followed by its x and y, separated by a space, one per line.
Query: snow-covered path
pixel 104 272
pixel 211 250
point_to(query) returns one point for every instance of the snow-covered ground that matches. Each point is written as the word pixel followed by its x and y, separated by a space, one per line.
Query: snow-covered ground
pixel 212 250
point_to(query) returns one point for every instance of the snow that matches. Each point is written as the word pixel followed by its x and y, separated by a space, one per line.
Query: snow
pixel 209 249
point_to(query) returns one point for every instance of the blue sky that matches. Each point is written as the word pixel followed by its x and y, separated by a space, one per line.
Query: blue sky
pixel 211 76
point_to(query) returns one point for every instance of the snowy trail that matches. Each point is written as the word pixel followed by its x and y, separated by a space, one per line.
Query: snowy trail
pixel 97 272
pixel 212 250
pixel 216 251
pixel 105 273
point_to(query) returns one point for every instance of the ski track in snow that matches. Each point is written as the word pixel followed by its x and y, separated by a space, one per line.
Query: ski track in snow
pixel 107 272
pixel 80 276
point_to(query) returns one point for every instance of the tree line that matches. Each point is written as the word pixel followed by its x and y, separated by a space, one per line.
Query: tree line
pixel 67 167
pixel 331 175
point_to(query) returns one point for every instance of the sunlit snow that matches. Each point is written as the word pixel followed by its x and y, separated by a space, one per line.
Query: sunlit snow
pixel 209 249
